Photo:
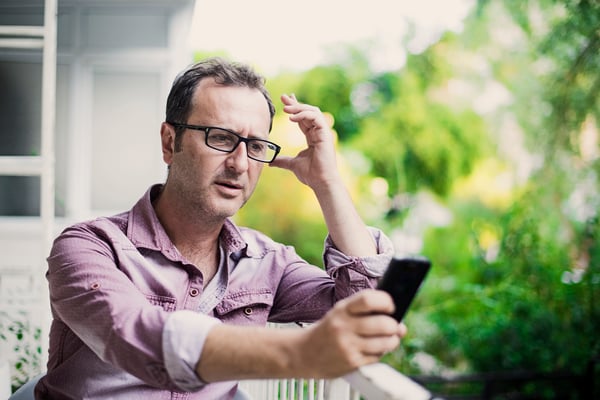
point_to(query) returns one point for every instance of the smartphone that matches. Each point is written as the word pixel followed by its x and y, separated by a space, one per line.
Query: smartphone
pixel 402 280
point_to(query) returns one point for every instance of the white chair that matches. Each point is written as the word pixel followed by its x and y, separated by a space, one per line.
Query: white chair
pixel 25 392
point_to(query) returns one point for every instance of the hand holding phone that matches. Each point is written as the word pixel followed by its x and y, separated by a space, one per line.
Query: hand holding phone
pixel 402 280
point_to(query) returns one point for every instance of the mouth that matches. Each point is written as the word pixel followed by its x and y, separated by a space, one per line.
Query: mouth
pixel 231 185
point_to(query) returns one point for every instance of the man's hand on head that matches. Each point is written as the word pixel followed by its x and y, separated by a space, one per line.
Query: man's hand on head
pixel 316 164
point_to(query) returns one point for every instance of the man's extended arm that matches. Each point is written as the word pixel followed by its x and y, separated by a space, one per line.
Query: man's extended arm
pixel 354 333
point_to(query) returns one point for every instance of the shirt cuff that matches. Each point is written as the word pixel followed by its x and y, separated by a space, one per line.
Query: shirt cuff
pixel 374 266
pixel 183 339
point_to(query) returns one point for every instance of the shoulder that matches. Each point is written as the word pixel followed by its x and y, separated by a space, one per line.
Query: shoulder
pixel 259 239
pixel 98 230
pixel 256 242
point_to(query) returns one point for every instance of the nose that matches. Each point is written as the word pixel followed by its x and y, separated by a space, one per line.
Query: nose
pixel 238 158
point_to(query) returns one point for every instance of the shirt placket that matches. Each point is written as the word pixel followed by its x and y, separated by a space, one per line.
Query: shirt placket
pixel 215 290
pixel 194 291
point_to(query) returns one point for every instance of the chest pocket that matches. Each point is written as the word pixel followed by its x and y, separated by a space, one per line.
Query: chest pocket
pixel 167 303
pixel 245 308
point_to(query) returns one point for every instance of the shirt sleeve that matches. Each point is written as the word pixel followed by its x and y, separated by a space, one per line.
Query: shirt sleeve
pixel 306 292
pixel 91 281
pixel 183 338
pixel 372 266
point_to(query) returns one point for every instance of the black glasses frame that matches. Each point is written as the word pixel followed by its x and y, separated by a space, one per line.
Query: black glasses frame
pixel 206 130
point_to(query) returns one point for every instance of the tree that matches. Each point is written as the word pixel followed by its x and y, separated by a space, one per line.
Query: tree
pixel 531 302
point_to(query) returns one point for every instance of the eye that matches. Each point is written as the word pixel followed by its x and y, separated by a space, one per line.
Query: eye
pixel 257 147
pixel 222 137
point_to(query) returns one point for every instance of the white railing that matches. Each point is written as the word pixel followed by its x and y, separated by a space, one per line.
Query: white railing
pixel 371 382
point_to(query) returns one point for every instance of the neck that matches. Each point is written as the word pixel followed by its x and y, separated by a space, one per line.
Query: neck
pixel 196 238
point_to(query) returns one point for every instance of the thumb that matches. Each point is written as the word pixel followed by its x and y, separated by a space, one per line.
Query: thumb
pixel 284 162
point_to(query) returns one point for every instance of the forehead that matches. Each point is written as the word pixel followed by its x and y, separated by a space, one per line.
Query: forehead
pixel 230 106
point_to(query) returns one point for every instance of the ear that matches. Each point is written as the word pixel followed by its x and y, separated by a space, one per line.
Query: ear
pixel 167 138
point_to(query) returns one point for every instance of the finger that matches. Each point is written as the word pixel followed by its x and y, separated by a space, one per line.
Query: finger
pixel 291 105
pixel 374 325
pixel 288 99
pixel 402 329
pixel 295 108
pixel 281 161
pixel 379 346
pixel 310 121
pixel 370 302
pixel 305 117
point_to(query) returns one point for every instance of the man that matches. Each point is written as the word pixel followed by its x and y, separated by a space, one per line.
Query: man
pixel 170 299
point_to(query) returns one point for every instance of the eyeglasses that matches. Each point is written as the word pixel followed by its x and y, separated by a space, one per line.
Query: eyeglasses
pixel 227 141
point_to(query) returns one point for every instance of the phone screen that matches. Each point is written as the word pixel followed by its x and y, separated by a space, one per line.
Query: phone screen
pixel 402 280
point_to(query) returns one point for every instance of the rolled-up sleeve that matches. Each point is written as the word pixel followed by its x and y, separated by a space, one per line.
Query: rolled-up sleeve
pixel 372 266
pixel 183 338
pixel 306 292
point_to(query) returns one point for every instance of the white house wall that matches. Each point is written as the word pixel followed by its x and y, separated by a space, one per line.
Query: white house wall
pixel 116 62
pixel 127 134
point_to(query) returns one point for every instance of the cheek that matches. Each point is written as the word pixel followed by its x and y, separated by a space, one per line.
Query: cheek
pixel 253 177
pixel 254 173
pixel 195 159
pixel 189 166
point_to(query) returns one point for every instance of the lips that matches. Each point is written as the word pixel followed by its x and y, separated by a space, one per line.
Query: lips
pixel 229 189
pixel 230 185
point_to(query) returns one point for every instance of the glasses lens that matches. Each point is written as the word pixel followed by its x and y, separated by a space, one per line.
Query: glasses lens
pixel 258 149
pixel 261 150
pixel 221 140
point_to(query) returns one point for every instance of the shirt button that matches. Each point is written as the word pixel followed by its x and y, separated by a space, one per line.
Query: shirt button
pixel 248 310
pixel 194 292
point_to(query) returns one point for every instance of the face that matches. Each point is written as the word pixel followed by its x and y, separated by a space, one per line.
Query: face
pixel 207 182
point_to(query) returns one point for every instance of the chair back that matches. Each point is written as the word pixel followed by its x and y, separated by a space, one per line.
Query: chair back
pixel 25 392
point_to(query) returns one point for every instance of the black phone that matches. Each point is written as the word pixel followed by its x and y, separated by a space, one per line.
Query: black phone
pixel 402 280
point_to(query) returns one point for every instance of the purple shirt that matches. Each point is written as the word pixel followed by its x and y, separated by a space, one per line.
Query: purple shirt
pixel 130 313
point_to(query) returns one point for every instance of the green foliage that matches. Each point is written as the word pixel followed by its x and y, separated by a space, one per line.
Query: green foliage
pixel 529 300
pixel 516 311
pixel 516 278
pixel 573 87
pixel 554 68
pixel 285 83
pixel 417 143
pixel 22 337
pixel 331 88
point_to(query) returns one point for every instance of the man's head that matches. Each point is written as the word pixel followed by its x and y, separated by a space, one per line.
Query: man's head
pixel 181 96
pixel 215 138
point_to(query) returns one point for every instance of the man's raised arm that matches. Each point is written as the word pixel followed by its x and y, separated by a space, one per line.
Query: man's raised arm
pixel 316 167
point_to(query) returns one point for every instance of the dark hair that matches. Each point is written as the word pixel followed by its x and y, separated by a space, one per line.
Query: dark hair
pixel 179 101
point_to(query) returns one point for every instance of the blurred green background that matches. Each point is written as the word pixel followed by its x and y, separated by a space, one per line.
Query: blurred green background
pixel 481 153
